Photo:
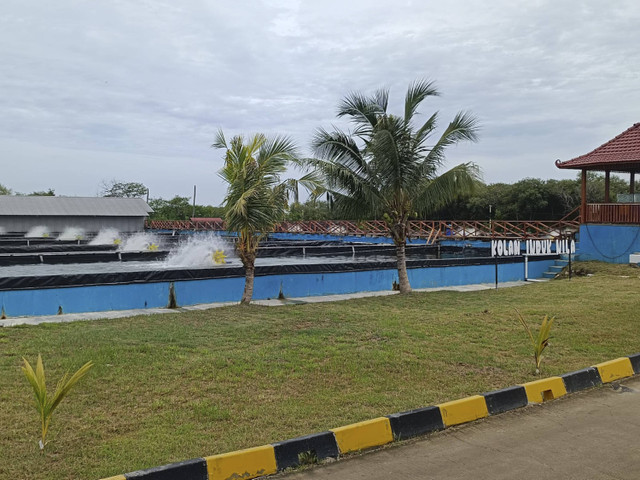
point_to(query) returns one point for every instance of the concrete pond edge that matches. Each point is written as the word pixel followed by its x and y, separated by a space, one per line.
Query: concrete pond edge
pixel 279 456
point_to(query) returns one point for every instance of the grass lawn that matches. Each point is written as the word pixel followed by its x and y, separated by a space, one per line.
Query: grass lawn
pixel 166 388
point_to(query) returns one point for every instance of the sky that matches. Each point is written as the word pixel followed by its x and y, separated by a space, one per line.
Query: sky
pixel 135 91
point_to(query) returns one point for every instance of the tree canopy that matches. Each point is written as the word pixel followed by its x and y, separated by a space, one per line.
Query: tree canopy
pixel 115 188
pixel 390 166
pixel 181 208
pixel 256 194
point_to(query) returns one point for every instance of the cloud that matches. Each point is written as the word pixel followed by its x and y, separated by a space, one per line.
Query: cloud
pixel 143 86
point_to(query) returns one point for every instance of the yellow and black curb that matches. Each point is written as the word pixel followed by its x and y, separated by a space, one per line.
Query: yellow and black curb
pixel 269 459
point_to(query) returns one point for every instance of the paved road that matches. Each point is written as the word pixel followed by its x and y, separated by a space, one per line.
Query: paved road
pixel 588 435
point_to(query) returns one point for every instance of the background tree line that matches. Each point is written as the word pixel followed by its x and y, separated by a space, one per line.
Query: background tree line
pixel 527 199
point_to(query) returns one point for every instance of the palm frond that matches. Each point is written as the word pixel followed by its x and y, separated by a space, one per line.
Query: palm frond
pixel 417 92
pixel 363 110
pixel 381 99
pixel 338 147
pixel 220 141
pixel 424 132
pixel 464 127
pixel 443 189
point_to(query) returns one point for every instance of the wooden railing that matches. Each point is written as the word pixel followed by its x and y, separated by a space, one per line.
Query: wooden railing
pixel 616 213
pixel 430 230
pixel 215 226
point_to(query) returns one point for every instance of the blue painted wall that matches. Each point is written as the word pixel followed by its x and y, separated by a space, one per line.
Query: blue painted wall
pixel 151 295
pixel 608 243
pixel 100 298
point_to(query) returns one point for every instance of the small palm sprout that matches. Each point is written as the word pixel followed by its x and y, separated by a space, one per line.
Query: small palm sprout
pixel 542 341
pixel 45 404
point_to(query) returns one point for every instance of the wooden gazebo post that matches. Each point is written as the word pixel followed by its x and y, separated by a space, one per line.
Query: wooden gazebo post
pixel 583 196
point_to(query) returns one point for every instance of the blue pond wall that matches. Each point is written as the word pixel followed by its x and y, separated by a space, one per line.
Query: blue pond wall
pixel 608 243
pixel 191 292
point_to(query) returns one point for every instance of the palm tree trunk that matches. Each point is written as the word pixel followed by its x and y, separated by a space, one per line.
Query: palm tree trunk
pixel 401 259
pixel 249 274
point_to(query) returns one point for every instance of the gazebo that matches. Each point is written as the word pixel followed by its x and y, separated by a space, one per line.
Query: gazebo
pixel 610 225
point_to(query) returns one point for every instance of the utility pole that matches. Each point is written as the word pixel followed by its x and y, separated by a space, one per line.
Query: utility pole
pixel 193 212
pixel 493 240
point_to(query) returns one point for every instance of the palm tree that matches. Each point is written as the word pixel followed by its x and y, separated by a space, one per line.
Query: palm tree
pixel 388 167
pixel 256 198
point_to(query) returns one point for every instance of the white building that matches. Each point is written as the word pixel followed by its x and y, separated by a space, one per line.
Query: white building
pixel 18 214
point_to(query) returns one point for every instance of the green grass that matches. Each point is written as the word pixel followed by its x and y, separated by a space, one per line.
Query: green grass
pixel 166 388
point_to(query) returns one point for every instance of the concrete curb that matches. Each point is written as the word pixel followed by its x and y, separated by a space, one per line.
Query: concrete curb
pixel 269 459
pixel 581 379
pixel 415 422
pixel 500 401
pixel 288 452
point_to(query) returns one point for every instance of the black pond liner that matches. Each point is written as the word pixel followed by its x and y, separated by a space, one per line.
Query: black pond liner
pixel 52 258
pixel 173 275
pixel 46 247
pixel 72 253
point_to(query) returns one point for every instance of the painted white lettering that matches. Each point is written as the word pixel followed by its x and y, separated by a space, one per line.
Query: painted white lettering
pixel 493 248
pixel 573 246
pixel 500 248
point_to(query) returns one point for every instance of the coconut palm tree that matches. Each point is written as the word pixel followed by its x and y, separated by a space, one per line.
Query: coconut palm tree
pixel 257 198
pixel 390 168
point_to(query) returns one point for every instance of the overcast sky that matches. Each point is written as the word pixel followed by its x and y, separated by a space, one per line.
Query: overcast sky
pixel 136 90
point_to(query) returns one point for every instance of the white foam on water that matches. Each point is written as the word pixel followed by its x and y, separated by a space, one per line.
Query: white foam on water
pixel 106 236
pixel 37 232
pixel 139 242
pixel 71 233
pixel 200 251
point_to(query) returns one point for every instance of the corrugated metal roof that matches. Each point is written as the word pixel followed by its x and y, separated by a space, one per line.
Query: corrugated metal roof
pixel 620 153
pixel 73 206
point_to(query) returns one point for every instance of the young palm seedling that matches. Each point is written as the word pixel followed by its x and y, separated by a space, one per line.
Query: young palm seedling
pixel 46 404
pixel 540 342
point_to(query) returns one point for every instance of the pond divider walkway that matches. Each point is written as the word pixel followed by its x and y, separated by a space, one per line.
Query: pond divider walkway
pixel 76 317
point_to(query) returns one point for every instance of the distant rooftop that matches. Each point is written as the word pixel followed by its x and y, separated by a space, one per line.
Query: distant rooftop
pixel 621 154
pixel 73 206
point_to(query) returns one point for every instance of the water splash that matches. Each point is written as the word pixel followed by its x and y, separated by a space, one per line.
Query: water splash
pixel 139 242
pixel 199 251
pixel 72 233
pixel 106 236
pixel 39 231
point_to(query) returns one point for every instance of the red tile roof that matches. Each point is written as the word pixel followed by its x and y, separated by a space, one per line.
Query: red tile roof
pixel 620 153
